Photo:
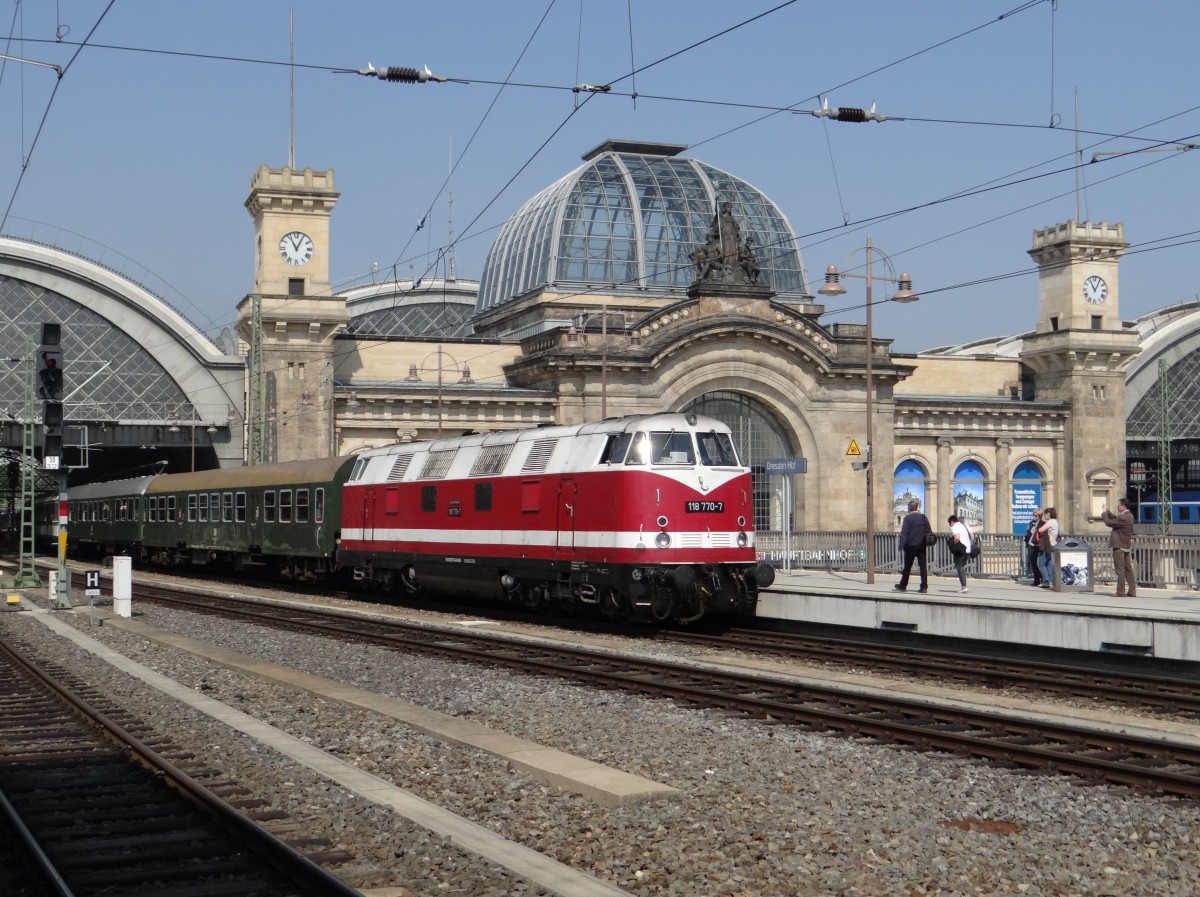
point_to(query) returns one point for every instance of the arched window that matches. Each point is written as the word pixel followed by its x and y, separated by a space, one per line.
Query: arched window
pixel 1026 495
pixel 758 436
pixel 968 494
pixel 910 481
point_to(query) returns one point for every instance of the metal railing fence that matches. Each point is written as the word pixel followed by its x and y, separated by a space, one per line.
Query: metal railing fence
pixel 1160 561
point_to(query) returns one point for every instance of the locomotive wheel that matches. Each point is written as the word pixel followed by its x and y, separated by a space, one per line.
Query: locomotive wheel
pixel 610 604
pixel 661 605
pixel 531 597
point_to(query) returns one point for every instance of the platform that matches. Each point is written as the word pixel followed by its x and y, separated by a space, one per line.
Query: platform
pixel 1159 623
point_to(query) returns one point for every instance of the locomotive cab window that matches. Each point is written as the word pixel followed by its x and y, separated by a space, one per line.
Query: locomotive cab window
pixel 639 449
pixel 615 448
pixel 716 450
pixel 268 507
pixel 302 506
pixel 285 505
pixel 672 448
pixel 429 498
pixel 483 496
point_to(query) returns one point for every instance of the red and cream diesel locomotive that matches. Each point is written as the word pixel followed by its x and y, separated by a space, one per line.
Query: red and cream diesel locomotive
pixel 644 518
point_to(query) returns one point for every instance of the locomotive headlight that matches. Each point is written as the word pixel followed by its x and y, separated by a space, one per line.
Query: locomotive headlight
pixel 662 540
pixel 742 540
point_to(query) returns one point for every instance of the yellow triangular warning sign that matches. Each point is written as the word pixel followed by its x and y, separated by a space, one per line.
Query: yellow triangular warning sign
pixel 853 450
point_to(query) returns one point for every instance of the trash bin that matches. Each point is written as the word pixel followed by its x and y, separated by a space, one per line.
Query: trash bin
pixel 1072 566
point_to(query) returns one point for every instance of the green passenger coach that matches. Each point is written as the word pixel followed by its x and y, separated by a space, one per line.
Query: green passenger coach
pixel 286 516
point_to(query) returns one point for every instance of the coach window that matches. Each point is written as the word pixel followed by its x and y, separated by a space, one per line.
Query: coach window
pixel 203 514
pixel 170 518
pixel 319 506
pixel 239 507
pixel 191 510
pixel 483 496
pixel 429 498
pixel 151 509
pixel 302 506
pixel 227 507
pixel 214 502
pixel 285 505
pixel 268 507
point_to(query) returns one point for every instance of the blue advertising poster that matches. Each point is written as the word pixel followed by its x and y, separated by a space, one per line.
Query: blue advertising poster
pixel 1026 498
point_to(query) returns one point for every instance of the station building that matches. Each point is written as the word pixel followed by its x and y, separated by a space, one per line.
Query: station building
pixel 648 280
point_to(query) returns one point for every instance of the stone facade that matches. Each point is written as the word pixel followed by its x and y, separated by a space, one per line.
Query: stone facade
pixel 1056 401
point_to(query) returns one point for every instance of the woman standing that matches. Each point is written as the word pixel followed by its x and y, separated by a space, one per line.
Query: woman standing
pixel 1047 538
pixel 960 548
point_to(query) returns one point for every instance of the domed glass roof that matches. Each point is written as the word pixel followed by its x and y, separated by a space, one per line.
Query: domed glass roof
pixel 628 219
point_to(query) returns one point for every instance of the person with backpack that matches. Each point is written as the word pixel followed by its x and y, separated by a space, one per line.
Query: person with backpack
pixel 1031 546
pixel 914 539
pixel 960 548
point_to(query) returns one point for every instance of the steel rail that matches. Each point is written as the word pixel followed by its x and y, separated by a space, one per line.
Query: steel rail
pixel 994 735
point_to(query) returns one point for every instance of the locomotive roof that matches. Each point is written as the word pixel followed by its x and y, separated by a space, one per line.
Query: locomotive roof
pixel 661 421
pixel 287 473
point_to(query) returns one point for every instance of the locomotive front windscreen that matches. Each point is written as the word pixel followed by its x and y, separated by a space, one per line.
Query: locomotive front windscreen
pixel 716 449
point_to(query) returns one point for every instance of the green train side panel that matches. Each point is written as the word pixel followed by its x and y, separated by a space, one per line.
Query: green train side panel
pixel 255 535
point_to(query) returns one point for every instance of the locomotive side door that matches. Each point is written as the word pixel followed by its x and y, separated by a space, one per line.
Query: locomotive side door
pixel 567 496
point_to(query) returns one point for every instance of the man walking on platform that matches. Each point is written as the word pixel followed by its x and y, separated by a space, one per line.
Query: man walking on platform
pixel 913 543
pixel 1121 541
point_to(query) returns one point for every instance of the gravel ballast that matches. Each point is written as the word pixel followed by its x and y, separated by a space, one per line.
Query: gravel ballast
pixel 766 810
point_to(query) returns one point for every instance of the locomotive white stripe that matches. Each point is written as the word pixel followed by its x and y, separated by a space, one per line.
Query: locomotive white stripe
pixel 545 538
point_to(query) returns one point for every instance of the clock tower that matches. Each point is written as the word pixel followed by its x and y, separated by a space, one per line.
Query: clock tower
pixel 1078 355
pixel 290 318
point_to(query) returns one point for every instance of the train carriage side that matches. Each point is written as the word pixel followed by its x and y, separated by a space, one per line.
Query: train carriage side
pixel 108 518
pixel 279 516
pixel 645 517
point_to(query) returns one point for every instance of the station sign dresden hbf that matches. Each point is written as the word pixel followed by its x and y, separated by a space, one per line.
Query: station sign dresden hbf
pixel 785 465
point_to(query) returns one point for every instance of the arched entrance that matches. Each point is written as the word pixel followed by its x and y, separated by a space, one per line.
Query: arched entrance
pixel 758 436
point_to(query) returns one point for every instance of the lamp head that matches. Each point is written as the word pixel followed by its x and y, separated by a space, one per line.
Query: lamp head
pixel 832 286
pixel 905 291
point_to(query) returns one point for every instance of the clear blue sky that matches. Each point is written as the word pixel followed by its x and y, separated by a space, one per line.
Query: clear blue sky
pixel 151 153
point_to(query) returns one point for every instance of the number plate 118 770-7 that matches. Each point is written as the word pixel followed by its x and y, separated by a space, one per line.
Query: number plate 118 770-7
pixel 704 507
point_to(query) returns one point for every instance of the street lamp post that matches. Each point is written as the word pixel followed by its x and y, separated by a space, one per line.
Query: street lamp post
pixel 904 293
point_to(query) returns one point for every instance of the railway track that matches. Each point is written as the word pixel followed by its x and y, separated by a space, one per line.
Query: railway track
pixel 1149 764
pixel 96 810
pixel 1178 696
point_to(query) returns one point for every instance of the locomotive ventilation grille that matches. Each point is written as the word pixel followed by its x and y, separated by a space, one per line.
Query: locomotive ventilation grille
pixel 539 455
pixel 703 540
pixel 399 468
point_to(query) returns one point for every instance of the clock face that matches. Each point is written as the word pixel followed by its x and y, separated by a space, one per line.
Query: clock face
pixel 296 248
pixel 1095 290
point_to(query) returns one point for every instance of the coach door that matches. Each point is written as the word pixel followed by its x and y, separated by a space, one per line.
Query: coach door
pixel 567 495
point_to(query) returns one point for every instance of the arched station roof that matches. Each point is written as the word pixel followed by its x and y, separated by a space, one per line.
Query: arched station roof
pixel 430 307
pixel 129 358
pixel 1170 334
pixel 628 218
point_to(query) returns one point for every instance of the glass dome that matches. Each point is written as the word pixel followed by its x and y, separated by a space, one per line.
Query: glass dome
pixel 628 218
